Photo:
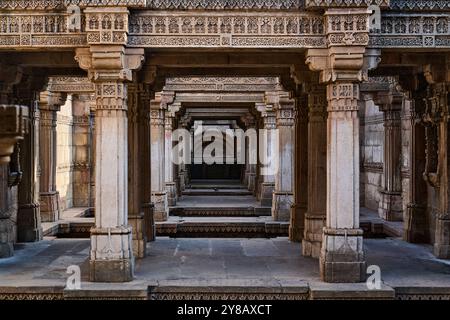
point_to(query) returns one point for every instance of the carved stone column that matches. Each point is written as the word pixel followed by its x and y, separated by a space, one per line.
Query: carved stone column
pixel 250 166
pixel 416 222
pixel 298 210
pixel 13 127
pixel 49 104
pixel 146 161
pixel 136 217
pixel 269 152
pixel 170 184
pixel 283 193
pixel 159 193
pixel 390 206
pixel 111 67
pixel 82 141
pixel 343 65
pixel 182 168
pixel 317 171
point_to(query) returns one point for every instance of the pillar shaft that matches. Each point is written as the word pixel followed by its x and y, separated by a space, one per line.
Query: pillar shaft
pixel 269 152
pixel 170 183
pixel 159 194
pixel 317 172
pixel 342 256
pixel 49 104
pixel 283 193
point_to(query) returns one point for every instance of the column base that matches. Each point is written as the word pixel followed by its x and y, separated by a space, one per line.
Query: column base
pixel 416 225
pixel 342 256
pixel 312 241
pixel 391 206
pixel 137 223
pixel 161 209
pixel 6 238
pixel 267 193
pixel 49 202
pixel 251 182
pixel 281 209
pixel 111 255
pixel 150 231
pixel 442 241
pixel 29 227
pixel 297 225
pixel 171 191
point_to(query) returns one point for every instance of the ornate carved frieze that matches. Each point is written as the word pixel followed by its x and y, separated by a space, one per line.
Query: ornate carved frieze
pixel 183 29
pixel 345 3
pixel 39 30
pixel 225 4
pixel 238 84
pixel 413 31
pixel 70 84
pixel 419 5
pixel 106 25
pixel 343 96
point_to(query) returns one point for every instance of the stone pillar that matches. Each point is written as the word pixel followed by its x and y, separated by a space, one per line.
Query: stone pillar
pixel 111 67
pixel 82 149
pixel 13 127
pixel 315 216
pixel 29 227
pixel 390 206
pixel 170 184
pixel 269 152
pixel 49 104
pixel 298 210
pixel 416 222
pixel 250 168
pixel 182 168
pixel 159 193
pixel 146 161
pixel 135 213
pixel 283 193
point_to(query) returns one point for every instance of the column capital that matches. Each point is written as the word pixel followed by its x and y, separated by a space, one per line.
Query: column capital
pixel 51 101
pixel 13 126
pixel 342 96
pixel 10 76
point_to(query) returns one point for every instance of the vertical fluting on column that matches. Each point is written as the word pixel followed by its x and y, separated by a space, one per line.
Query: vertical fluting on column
pixel 315 216
pixel 49 104
pixel 390 206
pixel 284 179
pixel 269 152
pixel 159 193
pixel 342 255
pixel 298 210
pixel 146 178
pixel 169 168
pixel 29 227
pixel 136 217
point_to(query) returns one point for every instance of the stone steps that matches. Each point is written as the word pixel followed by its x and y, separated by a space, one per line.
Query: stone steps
pixel 222 227
pixel 216 192
pixel 220 211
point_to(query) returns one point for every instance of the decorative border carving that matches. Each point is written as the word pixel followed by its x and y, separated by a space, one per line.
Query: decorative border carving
pixel 226 4
pixel 166 29
pixel 413 31
pixel 420 5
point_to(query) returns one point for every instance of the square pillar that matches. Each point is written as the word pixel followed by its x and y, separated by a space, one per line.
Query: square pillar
pixel 170 184
pixel 315 216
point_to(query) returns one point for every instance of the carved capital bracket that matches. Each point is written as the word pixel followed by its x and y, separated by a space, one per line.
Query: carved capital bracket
pixel 10 76
pixel 12 129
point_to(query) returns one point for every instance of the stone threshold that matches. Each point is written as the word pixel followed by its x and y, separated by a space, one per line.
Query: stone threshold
pixel 223 289
pixel 220 212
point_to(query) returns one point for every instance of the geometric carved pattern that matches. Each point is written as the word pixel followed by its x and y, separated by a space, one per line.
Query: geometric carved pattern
pixel 225 4
pixel 419 4
pixel 412 30
pixel 165 29
pixel 49 29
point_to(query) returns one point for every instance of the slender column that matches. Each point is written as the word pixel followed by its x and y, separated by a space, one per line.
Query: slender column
pixel 317 171
pixel 390 206
pixel 283 193
pixel 170 184
pixel 298 210
pixel 82 154
pixel 159 193
pixel 135 212
pixel 146 162
pixel 269 152
pixel 182 169
pixel 49 104
pixel 250 168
